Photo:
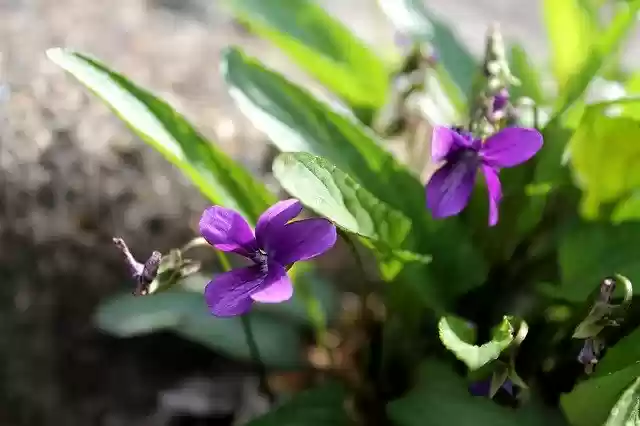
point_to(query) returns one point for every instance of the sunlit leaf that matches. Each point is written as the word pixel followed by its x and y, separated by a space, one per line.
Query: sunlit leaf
pixel 218 177
pixel 457 336
pixel 321 45
pixel 626 412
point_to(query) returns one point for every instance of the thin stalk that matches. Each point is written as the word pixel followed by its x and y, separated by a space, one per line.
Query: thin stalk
pixel 254 351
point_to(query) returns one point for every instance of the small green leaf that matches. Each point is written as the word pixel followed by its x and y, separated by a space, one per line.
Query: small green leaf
pixel 154 121
pixel 457 336
pixel 322 406
pixel 412 17
pixel 441 398
pixel 186 314
pixel 570 31
pixel 588 252
pixel 604 157
pixel 626 412
pixel 330 192
pixel 321 45
pixel 591 401
pixel 524 69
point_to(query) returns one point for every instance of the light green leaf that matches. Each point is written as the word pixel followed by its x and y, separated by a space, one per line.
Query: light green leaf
pixel 218 177
pixel 525 70
pixel 457 336
pixel 322 406
pixel 632 87
pixel 321 45
pixel 588 252
pixel 331 193
pixel 186 314
pixel 571 31
pixel 413 18
pixel 604 154
pixel 441 398
pixel 626 412
pixel 297 122
pixel 627 209
pixel 591 401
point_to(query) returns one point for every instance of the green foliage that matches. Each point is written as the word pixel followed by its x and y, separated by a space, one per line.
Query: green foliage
pixel 321 406
pixel 321 45
pixel 626 412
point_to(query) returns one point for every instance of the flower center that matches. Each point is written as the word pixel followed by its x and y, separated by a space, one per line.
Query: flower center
pixel 260 258
pixel 467 156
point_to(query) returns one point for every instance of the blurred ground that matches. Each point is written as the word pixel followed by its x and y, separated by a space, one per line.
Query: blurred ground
pixel 72 176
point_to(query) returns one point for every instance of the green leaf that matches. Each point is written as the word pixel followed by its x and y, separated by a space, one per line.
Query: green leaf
pixel 412 17
pixel 590 402
pixel 621 355
pixel 321 45
pixel 441 398
pixel 604 154
pixel 524 69
pixel 588 252
pixel 297 122
pixel 322 406
pixel 218 177
pixel 331 193
pixel 570 31
pixel 626 412
pixel 186 314
pixel 458 336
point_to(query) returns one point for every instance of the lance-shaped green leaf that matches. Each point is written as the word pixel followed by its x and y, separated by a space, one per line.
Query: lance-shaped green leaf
pixel 591 401
pixel 321 406
pixel 321 45
pixel 548 167
pixel 524 69
pixel 458 336
pixel 413 18
pixel 154 121
pixel 626 412
pixel 332 193
pixel 186 314
pixel 570 30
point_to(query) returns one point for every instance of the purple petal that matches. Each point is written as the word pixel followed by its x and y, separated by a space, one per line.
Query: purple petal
pixel 277 286
pixel 443 141
pixel 226 230
pixel 274 219
pixel 228 294
pixel 494 188
pixel 302 240
pixel 480 388
pixel 511 146
pixel 449 188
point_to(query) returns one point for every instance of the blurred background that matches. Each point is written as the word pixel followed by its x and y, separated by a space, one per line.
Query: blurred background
pixel 72 176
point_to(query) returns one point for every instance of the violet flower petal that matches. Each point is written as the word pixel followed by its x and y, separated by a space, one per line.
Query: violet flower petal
pixel 226 230
pixel 494 188
pixel 277 286
pixel 449 189
pixel 228 294
pixel 443 141
pixel 302 240
pixel 511 146
pixel 274 219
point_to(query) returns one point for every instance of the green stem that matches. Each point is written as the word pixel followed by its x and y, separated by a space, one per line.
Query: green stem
pixel 254 351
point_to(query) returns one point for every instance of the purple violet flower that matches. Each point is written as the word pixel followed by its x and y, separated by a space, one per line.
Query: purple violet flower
pixel 449 189
pixel 276 245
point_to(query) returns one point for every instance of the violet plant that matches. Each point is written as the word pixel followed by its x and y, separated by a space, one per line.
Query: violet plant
pixel 496 242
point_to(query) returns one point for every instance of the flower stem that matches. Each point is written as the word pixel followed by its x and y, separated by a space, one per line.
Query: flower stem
pixel 251 340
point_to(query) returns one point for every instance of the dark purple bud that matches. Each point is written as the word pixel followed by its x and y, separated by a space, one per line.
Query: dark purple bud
pixel 589 354
pixel 483 387
pixel 143 273
pixel 500 101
